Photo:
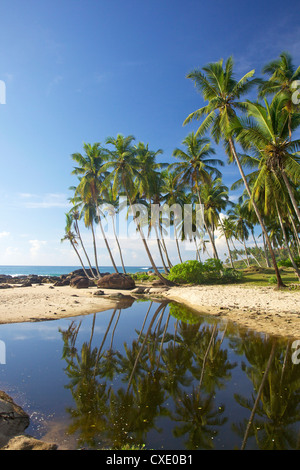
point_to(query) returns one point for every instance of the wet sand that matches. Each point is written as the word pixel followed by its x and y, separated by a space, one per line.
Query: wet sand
pixel 260 308
pixel 263 309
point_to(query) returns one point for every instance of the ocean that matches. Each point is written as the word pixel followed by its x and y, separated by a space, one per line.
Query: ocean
pixel 59 270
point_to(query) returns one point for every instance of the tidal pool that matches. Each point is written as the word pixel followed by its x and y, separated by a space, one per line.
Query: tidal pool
pixel 155 375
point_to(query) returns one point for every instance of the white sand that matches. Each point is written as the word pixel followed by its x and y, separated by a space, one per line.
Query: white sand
pixel 45 302
pixel 261 308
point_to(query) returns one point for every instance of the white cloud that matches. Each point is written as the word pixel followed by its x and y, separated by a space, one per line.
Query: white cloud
pixel 4 234
pixel 36 245
pixel 47 201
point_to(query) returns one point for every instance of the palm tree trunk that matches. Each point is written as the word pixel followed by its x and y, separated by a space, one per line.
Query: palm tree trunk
pixel 163 244
pixel 162 278
pixel 213 334
pixel 198 258
pixel 266 251
pixel 177 244
pixel 84 250
pixel 162 306
pixel 286 241
pixel 247 257
pixel 237 252
pixel 254 239
pixel 227 243
pixel 295 231
pixel 118 244
pixel 258 215
pixel 258 395
pixel 81 262
pixel 207 229
pixel 106 242
pixel 103 341
pixel 95 249
pixel 291 194
pixel 160 252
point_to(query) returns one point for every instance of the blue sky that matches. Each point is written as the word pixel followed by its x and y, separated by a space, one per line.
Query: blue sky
pixel 79 71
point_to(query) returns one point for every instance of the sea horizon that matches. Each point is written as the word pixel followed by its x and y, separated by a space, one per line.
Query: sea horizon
pixel 56 270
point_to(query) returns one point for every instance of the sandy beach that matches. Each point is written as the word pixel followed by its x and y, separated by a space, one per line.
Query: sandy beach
pixel 45 302
pixel 260 308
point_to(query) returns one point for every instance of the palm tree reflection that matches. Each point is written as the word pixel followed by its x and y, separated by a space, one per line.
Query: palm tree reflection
pixel 171 375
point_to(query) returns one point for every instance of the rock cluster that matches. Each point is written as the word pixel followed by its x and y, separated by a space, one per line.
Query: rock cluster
pixel 116 281
pixel 13 422
pixel 7 281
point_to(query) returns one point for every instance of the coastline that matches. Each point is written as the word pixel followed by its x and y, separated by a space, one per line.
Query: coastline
pixel 258 308
pixel 45 302
pixel 262 309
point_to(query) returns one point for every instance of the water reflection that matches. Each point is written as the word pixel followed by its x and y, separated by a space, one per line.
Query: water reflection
pixel 175 374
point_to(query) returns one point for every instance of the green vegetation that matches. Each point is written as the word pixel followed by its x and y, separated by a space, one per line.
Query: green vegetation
pixel 209 272
pixel 266 277
pixel 259 136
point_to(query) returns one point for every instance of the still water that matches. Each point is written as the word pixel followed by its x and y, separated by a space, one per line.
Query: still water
pixel 154 375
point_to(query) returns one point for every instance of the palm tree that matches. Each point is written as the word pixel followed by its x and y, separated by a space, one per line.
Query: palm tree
pixel 195 168
pixel 76 215
pixel 237 215
pixel 89 216
pixel 227 229
pixel 69 235
pixel 282 75
pixel 268 189
pixel 110 205
pixel 91 182
pixel 125 172
pixel 172 194
pixel 219 87
pixel 215 198
pixel 267 132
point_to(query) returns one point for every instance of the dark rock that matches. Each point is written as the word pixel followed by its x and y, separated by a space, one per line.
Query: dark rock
pixel 157 283
pixel 63 282
pixel 26 284
pixel 24 442
pixel 84 283
pixel 80 282
pixel 138 290
pixel 13 420
pixel 81 273
pixel 99 292
pixel 5 278
pixel 116 281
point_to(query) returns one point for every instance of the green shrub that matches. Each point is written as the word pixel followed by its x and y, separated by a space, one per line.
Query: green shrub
pixel 195 272
pixel 285 263
pixel 212 265
pixel 189 272
pixel 230 275
pixel 272 280
pixel 142 277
